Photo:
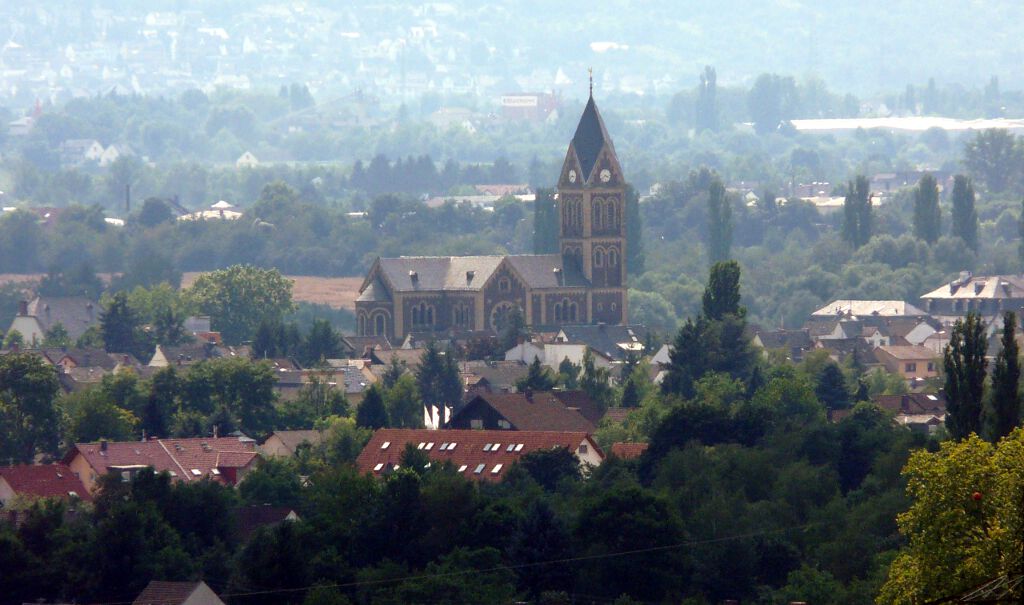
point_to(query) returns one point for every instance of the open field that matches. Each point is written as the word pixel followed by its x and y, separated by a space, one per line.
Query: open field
pixel 336 292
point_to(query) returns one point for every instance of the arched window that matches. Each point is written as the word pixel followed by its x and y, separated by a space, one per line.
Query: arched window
pixel 362 324
pixel 613 257
pixel 504 285
pixel 415 315
pixel 597 212
pixel 613 216
pixel 572 311
pixel 429 319
pixel 579 214
pixel 598 258
pixel 380 325
pixel 558 311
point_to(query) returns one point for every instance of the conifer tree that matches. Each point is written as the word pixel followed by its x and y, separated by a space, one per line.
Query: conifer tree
pixel 927 219
pixel 857 219
pixel 371 413
pixel 719 223
pixel 831 388
pixel 964 363
pixel 964 222
pixel 722 294
pixel 630 395
pixel 1003 414
pixel 538 378
pixel 118 324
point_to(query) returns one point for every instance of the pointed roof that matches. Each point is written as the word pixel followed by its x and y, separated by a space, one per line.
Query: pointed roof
pixel 590 138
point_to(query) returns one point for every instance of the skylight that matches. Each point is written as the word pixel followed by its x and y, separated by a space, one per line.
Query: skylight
pixel 519 447
pixel 379 466
pixel 443 447
pixel 510 447
pixel 496 469
pixel 430 446
pixel 385 445
pixel 496 447
pixel 420 446
pixel 463 468
pixel 479 468
pixel 215 471
pixel 197 472
pixel 487 447
pixel 451 446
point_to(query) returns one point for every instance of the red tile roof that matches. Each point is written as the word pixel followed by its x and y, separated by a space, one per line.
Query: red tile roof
pixel 465 449
pixel 185 459
pixel 44 481
pixel 628 451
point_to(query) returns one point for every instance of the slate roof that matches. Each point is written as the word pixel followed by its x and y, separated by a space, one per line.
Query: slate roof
pixel 628 451
pixel 580 401
pixel 469 273
pixel 913 403
pixel 252 518
pixel 981 286
pixel 374 292
pixel 180 457
pixel 540 411
pixel 76 313
pixel 863 308
pixel 500 375
pixel 590 137
pixel 166 593
pixel 785 339
pixel 605 339
pixel 465 449
pixel 44 481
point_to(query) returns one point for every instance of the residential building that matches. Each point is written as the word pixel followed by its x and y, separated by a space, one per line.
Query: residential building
pixel 284 444
pixel 36 317
pixel 628 451
pixel 177 593
pixel 989 296
pixel 912 362
pixel 478 455
pixel 585 283
pixel 225 459
pixel 529 411
pixel 869 308
pixel 27 481
pixel 924 412
pixel 794 343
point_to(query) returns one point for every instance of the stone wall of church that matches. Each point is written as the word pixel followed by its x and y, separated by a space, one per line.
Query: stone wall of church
pixel 607 307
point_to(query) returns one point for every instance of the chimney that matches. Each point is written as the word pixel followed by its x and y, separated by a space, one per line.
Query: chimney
pixel 529 394
pixel 413 276
pixel 23 308
pixel 215 427
pixel 469 276
pixel 103 445
pixel 143 434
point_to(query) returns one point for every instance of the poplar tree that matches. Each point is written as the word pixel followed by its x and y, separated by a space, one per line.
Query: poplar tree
pixel 545 223
pixel 1003 414
pixel 927 218
pixel 964 362
pixel 857 219
pixel 719 223
pixel 722 294
pixel 634 233
pixel 965 217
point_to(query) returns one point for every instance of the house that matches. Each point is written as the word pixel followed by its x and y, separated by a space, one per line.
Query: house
pixel 497 376
pixel 924 412
pixel 114 152
pixel 478 455
pixel 75 152
pixel 615 343
pixel 584 283
pixel 286 443
pixel 628 451
pixel 869 308
pixel 27 481
pixel 912 362
pixel 35 318
pixel 177 593
pixel 222 459
pixel 247 160
pixel 184 354
pixel 989 296
pixel 222 210
pixel 529 411
pixel 794 343
pixel 255 517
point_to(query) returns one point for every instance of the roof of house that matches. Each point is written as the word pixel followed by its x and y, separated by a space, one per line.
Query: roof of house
pixel 628 451
pixel 969 286
pixel 467 273
pixel 500 375
pixel 44 481
pixel 465 450
pixel 159 592
pixel 908 352
pixel 185 459
pixel 251 518
pixel 617 415
pixel 579 400
pixel 539 411
pixel 913 403
pixel 614 342
pixel 76 313
pixel 293 439
pixel 785 339
pixel 877 308
pixel 360 345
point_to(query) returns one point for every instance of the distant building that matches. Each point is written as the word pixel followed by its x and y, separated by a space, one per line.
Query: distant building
pixel 924 412
pixel 531 411
pixel 989 296
pixel 177 593
pixel 39 481
pixel 284 444
pixel 222 210
pixel 910 362
pixel 247 160
pixel 36 317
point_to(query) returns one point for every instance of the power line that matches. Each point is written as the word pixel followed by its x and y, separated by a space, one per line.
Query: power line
pixel 463 572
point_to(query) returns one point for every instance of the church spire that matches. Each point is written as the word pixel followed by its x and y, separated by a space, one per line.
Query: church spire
pixel 590 71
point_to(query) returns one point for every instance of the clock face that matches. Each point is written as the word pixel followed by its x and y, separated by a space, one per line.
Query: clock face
pixel 606 175
pixel 572 176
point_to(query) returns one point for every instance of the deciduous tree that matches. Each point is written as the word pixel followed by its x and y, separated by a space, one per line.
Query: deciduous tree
pixel 927 218
pixel 964 221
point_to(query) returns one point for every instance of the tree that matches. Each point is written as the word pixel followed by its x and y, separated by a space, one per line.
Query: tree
pixel 1020 236
pixel 964 221
pixel 857 221
pixel 1003 413
pixel 438 378
pixel 964 526
pixel 630 395
pixel 964 363
pixel 771 100
pixel 403 404
pixel 396 369
pixel 719 223
pixel 155 212
pixel 707 109
pixel 722 294
pixel 511 328
pixel 595 381
pixel 635 257
pixel 238 298
pixel 831 388
pixel 538 378
pixel 994 157
pixel 56 336
pixel 28 418
pixel 371 413
pixel 927 218
pixel 322 343
pixel 92 416
pixel 550 467
pixel 568 374
pixel 119 325
pixel 545 223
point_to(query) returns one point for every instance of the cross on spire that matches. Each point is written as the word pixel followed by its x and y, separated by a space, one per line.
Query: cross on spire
pixel 590 71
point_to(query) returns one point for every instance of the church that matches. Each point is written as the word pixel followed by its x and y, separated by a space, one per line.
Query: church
pixel 584 284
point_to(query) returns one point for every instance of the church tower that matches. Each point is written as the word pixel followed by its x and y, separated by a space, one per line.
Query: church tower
pixel 591 202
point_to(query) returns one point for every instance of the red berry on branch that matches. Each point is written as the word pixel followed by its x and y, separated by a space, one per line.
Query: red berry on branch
pixel 976 496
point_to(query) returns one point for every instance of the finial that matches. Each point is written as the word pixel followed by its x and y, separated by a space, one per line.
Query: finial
pixel 590 70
